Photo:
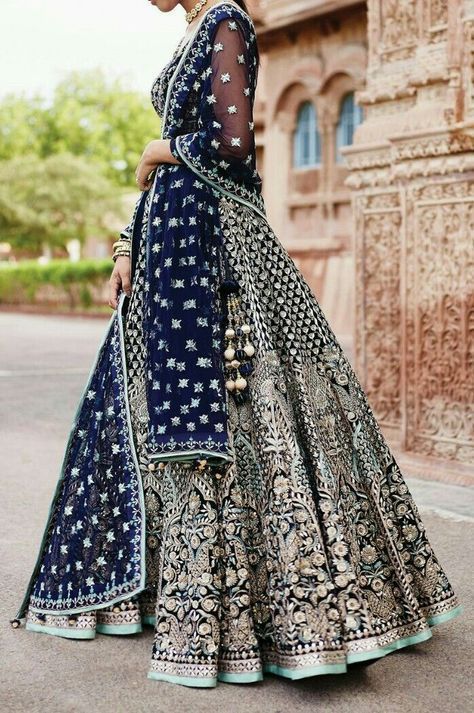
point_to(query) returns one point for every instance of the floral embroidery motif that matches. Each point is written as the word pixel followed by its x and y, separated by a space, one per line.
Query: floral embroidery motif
pixel 304 551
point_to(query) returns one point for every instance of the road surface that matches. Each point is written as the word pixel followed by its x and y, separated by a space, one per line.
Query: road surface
pixel 44 363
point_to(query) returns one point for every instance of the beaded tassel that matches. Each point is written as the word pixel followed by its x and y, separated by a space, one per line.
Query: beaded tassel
pixel 238 348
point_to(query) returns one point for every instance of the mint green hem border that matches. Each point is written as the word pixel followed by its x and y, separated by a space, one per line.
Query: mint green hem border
pixel 149 620
pixel 447 616
pixel 64 633
pixel 240 677
pixel 184 680
pixel 119 630
pixel 389 648
pixel 366 655
pixel 325 669
pixel 295 674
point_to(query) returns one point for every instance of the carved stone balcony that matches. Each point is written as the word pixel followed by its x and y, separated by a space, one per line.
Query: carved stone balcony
pixel 274 14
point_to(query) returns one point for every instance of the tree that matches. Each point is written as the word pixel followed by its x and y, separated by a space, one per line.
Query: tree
pixel 23 123
pixel 89 116
pixel 49 202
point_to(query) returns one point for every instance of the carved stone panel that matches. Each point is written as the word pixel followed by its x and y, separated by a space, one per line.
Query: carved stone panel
pixel 378 221
pixel 399 28
pixel 438 13
pixel 440 320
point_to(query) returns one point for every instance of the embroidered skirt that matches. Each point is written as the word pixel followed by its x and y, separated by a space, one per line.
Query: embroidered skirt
pixel 304 551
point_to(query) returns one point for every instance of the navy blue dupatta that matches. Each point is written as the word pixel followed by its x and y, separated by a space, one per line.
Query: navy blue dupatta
pixel 93 553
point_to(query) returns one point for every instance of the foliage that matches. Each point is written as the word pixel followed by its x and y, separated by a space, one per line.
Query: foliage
pixel 89 116
pixel 51 201
pixel 69 283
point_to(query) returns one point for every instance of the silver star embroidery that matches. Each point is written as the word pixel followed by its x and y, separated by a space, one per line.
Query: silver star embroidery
pixel 211 99
pixel 218 47
pixel 247 91
pixel 235 141
pixel 240 59
pixel 204 362
pixel 232 109
pixel 232 25
pixel 251 125
pixel 225 77
pixel 215 143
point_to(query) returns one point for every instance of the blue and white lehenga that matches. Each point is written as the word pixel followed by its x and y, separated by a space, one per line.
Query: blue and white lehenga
pixel 260 528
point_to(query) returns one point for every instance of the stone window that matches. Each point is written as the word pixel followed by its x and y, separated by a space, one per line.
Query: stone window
pixel 350 116
pixel 307 139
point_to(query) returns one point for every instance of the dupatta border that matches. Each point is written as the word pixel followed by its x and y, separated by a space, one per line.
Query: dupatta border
pixel 141 585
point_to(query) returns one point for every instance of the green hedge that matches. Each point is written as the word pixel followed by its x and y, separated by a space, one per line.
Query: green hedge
pixel 72 284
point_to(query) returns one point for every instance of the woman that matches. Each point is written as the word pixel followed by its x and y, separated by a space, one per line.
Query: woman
pixel 226 481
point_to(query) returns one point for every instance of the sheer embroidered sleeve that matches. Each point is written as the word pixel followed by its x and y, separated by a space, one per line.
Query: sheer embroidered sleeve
pixel 227 132
pixel 231 92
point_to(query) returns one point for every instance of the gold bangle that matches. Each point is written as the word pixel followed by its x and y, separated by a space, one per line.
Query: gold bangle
pixel 117 255
pixel 121 244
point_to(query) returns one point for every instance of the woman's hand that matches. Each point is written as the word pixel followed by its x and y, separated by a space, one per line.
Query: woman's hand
pixel 156 152
pixel 120 280
pixel 149 161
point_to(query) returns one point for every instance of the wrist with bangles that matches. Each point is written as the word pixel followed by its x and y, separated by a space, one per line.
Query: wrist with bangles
pixel 121 248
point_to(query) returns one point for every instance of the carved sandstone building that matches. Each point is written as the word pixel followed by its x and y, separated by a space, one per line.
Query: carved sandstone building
pixel 393 263
pixel 313 62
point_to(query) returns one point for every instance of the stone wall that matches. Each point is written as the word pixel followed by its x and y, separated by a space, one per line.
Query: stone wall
pixel 411 173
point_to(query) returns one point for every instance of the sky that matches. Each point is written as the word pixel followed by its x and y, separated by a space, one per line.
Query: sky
pixel 41 40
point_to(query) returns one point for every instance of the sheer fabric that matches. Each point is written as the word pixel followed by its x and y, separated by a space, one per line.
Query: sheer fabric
pixel 224 138
pixel 230 97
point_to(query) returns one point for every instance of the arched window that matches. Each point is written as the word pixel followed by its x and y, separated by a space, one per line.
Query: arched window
pixel 307 140
pixel 350 116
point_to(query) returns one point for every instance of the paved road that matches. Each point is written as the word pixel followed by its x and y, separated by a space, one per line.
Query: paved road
pixel 44 362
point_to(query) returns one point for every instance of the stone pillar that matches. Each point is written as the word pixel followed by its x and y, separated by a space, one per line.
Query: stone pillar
pixel 411 172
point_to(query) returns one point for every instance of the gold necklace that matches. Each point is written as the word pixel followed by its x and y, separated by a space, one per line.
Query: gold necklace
pixel 195 11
